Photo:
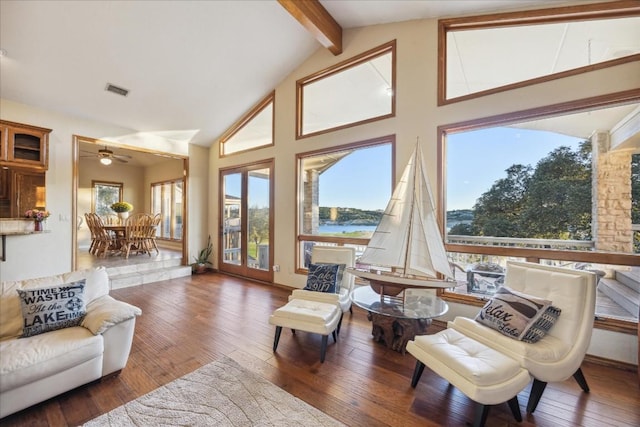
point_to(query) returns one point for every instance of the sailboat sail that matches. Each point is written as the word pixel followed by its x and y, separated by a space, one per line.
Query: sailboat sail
pixel 407 238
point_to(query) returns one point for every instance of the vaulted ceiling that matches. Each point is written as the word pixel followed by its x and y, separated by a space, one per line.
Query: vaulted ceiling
pixel 192 67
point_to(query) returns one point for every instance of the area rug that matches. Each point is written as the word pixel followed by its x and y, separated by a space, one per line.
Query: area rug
pixel 221 393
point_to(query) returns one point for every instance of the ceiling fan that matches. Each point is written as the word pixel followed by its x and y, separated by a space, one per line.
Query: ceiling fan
pixel 107 156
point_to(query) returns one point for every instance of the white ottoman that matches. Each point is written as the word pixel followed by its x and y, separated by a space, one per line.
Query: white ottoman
pixel 309 316
pixel 486 376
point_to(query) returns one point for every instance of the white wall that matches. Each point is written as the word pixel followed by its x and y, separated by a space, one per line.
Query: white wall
pixel 417 115
pixel 131 177
pixel 51 253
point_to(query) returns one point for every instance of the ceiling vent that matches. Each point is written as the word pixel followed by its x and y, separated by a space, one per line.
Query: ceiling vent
pixel 117 90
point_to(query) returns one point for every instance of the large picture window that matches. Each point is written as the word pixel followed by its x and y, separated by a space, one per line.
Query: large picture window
pixel 353 92
pixel 493 53
pixel 342 193
pixel 555 188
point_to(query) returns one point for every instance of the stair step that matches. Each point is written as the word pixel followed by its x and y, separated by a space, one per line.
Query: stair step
pixel 151 264
pixel 148 275
pixel 626 297
pixel 630 278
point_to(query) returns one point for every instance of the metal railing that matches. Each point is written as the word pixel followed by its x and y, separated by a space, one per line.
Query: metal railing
pixel 522 243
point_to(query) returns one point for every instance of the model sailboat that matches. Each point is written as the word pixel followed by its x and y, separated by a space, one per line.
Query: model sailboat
pixel 407 250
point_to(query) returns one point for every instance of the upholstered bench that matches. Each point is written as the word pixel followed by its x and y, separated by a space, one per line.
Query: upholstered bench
pixel 484 375
pixel 309 316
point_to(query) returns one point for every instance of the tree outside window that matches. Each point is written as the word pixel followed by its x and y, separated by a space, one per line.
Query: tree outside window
pixel 104 195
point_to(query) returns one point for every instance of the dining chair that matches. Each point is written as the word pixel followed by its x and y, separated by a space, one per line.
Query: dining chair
pixel 106 242
pixel 88 217
pixel 136 234
pixel 152 230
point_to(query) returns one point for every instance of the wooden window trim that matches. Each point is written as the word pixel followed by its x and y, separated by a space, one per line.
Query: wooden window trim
pixel 299 238
pixel 337 68
pixel 244 120
pixel 95 182
pixel 615 9
pixel 533 255
pixel 173 201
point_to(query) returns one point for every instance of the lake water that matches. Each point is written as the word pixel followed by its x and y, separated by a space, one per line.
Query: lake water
pixel 346 228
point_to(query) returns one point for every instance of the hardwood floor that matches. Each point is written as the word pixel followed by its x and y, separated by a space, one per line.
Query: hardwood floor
pixel 192 321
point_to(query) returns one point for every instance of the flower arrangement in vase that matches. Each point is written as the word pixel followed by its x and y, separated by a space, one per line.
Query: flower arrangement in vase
pixel 38 216
pixel 122 208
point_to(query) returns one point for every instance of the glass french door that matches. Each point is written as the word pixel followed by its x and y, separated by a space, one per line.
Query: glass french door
pixel 246 228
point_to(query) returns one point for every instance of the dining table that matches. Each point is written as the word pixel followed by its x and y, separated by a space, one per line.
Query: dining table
pixel 120 233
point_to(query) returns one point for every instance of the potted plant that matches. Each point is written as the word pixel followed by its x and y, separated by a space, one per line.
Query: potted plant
pixel 122 208
pixel 202 260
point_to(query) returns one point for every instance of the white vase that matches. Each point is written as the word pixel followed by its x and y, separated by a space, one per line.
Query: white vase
pixel 123 216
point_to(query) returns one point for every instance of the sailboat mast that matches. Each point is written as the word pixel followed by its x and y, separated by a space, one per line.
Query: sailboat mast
pixel 412 204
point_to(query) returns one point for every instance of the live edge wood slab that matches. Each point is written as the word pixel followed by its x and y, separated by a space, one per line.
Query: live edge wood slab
pixel 394 332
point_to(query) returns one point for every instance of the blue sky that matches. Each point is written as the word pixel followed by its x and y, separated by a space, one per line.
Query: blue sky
pixel 361 180
pixel 475 159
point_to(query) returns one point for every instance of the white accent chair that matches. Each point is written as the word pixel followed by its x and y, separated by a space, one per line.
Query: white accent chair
pixel 559 354
pixel 308 316
pixel 332 255
pixel 481 373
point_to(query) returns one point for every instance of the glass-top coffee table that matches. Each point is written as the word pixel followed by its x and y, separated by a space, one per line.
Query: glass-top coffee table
pixel 397 320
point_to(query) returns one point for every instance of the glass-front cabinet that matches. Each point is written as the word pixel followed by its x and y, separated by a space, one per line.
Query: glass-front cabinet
pixel 24 158
pixel 24 145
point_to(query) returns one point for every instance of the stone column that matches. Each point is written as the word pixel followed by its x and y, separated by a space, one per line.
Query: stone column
pixel 311 214
pixel 611 193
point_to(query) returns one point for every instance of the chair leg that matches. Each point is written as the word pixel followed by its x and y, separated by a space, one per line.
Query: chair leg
pixel 579 377
pixel 335 336
pixel 276 339
pixel 323 348
pixel 536 393
pixel 340 323
pixel 515 408
pixel 417 373
pixel 481 415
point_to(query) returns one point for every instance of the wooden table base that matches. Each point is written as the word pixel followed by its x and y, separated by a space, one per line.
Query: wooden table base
pixel 394 332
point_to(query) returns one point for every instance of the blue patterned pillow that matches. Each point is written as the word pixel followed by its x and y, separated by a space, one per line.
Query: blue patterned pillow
pixel 340 275
pixel 49 309
pixel 542 325
pixel 322 277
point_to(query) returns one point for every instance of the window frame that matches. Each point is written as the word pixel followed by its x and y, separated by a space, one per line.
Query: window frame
pixel 617 9
pixel 98 182
pixel 531 254
pixel 339 241
pixel 389 47
pixel 172 214
pixel 270 99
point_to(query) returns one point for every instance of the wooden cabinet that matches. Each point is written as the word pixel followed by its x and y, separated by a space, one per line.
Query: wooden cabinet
pixel 23 145
pixel 21 189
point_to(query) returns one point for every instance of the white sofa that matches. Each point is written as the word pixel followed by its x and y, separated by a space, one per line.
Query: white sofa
pixel 42 366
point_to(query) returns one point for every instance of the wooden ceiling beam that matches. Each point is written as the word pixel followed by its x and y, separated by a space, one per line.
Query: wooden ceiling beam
pixel 315 18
